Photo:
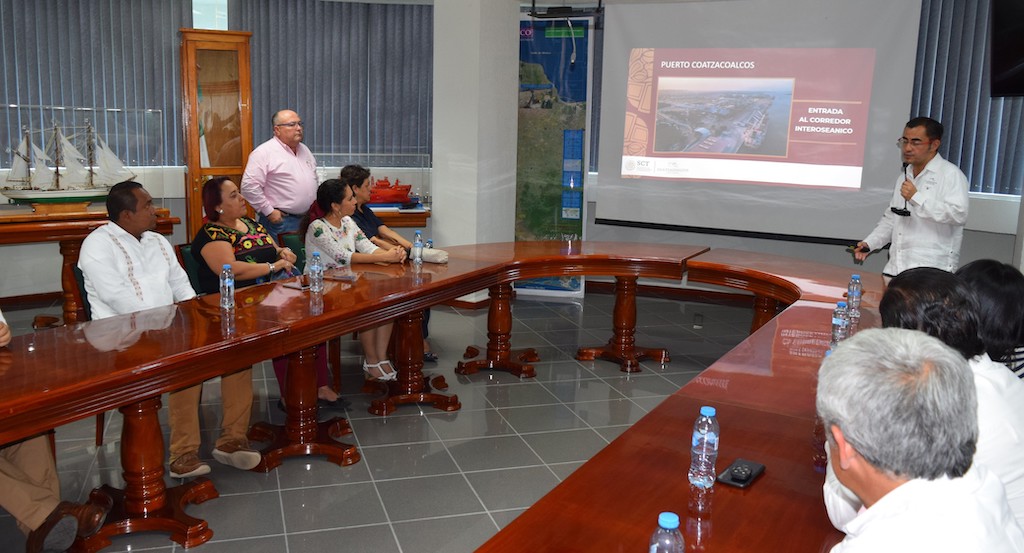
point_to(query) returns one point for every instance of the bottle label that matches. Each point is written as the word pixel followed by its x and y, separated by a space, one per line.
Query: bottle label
pixel 839 321
pixel 710 438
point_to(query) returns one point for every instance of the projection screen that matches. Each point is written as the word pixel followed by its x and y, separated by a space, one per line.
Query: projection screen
pixel 775 118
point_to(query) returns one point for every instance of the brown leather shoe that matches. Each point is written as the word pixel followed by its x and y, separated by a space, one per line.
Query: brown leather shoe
pixel 91 515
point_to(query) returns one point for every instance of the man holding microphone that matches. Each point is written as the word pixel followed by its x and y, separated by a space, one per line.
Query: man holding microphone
pixel 925 220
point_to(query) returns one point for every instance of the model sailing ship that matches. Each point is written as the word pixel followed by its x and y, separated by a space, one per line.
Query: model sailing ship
pixel 67 177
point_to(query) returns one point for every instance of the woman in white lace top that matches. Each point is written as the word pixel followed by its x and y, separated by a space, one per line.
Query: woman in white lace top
pixel 331 232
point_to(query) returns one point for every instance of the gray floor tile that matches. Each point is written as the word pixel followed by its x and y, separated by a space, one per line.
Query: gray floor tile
pixel 566 445
pixel 328 507
pixel 541 418
pixel 641 385
pixel 376 538
pixel 301 472
pixel 610 412
pixel 492 453
pixel 562 370
pixel 445 535
pixel 393 429
pixel 570 391
pixel 609 433
pixel 469 424
pixel 563 470
pixel 271 544
pixel 518 395
pixel 428 497
pixel 503 518
pixel 232 516
pixel 398 461
pixel 512 488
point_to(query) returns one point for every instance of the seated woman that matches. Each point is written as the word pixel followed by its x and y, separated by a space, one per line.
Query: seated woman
pixel 231 238
pixel 1000 291
pixel 329 230
pixel 358 177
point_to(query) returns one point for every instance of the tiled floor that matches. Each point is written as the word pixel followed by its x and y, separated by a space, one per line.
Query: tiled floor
pixel 428 480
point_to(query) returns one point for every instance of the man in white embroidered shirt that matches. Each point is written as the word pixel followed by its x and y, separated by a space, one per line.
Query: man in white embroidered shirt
pixel 128 268
pixel 900 411
pixel 925 219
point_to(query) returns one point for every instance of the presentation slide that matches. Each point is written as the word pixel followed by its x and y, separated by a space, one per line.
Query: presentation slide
pixel 793 116
pixel 775 119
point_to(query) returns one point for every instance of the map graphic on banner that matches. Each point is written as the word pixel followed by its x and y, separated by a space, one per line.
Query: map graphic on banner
pixel 553 58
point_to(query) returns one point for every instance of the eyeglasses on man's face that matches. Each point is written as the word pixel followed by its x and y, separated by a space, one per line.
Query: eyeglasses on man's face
pixel 914 142
pixel 290 125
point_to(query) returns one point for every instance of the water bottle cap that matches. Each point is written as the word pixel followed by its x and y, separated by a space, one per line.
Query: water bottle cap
pixel 668 520
pixel 855 276
pixel 316 254
pixel 707 411
pixel 226 266
pixel 840 304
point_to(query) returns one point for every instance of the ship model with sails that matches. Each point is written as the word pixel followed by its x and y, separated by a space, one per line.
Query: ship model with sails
pixel 69 177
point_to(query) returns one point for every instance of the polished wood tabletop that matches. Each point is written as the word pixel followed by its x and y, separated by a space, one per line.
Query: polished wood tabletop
pixel 764 393
pixel 610 504
pixel 784 278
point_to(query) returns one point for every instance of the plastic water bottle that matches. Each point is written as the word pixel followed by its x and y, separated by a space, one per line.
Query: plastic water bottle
pixel 316 274
pixel 227 323
pixel 704 448
pixel 227 287
pixel 667 538
pixel 854 291
pixel 840 324
pixel 417 248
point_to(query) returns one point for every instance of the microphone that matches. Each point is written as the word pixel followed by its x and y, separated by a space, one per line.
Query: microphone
pixel 902 212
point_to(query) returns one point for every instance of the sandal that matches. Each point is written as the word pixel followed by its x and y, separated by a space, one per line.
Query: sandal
pixel 385 376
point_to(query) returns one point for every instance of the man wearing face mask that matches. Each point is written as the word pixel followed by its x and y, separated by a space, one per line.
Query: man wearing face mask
pixel 925 219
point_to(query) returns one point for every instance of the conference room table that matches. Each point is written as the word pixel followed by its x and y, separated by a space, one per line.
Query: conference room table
pixel 56 376
pixel 763 391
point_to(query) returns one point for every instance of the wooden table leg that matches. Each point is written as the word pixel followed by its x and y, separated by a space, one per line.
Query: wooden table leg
pixel 301 433
pixel 500 354
pixel 621 347
pixel 765 309
pixel 411 386
pixel 69 251
pixel 146 504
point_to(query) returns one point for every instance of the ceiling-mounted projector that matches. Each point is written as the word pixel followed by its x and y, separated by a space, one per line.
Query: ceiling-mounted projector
pixel 563 12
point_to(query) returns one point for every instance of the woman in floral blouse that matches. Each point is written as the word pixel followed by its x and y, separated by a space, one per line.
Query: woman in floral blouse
pixel 332 232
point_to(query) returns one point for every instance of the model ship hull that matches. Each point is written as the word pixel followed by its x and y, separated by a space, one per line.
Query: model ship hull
pixel 27 197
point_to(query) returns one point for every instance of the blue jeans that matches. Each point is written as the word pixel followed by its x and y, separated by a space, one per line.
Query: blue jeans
pixel 288 223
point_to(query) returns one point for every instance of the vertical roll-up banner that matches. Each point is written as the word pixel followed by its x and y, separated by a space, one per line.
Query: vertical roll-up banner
pixel 553 87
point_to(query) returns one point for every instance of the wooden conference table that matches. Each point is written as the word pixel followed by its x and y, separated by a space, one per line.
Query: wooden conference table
pixel 764 394
pixel 60 375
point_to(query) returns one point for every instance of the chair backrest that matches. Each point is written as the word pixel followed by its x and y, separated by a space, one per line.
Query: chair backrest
pixel 188 261
pixel 295 243
pixel 83 298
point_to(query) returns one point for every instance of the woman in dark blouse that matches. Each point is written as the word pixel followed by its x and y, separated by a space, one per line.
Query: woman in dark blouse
pixel 231 238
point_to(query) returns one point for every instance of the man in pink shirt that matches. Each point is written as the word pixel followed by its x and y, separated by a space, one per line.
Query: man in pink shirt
pixel 280 177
